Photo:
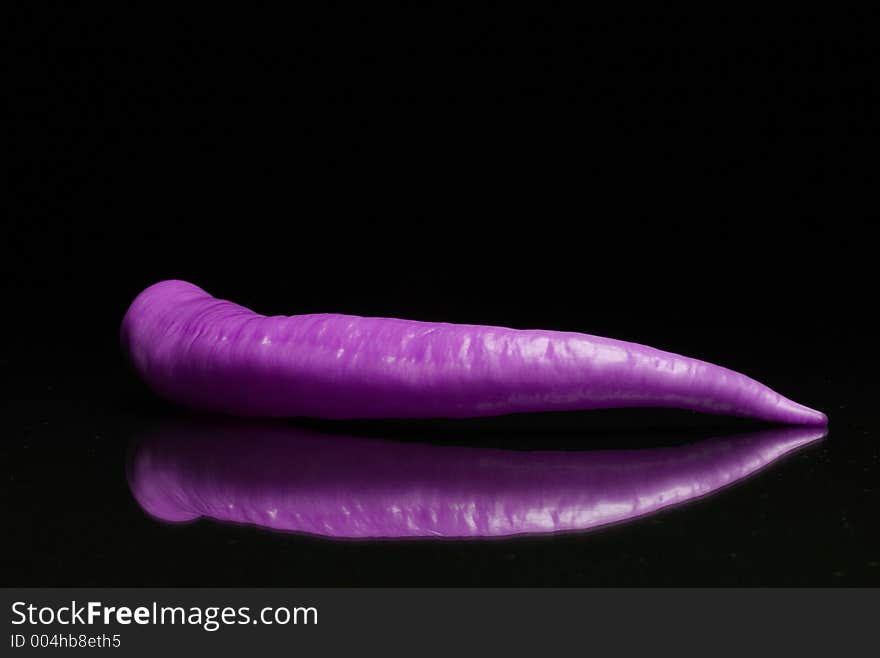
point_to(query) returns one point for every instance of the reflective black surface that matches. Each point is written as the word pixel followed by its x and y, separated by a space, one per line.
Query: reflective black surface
pixel 70 517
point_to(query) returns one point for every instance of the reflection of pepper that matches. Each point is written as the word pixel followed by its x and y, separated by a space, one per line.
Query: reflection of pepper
pixel 287 478
pixel 216 355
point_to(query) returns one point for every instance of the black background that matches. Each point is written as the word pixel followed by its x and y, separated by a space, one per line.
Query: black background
pixel 701 185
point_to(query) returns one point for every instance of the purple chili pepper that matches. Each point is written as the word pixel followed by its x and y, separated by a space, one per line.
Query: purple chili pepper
pixel 287 478
pixel 216 355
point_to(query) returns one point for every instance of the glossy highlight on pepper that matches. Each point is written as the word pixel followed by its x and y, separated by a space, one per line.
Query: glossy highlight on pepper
pixel 286 478
pixel 215 355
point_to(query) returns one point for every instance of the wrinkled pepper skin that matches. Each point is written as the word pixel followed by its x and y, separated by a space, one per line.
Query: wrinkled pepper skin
pixel 218 356
pixel 285 478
